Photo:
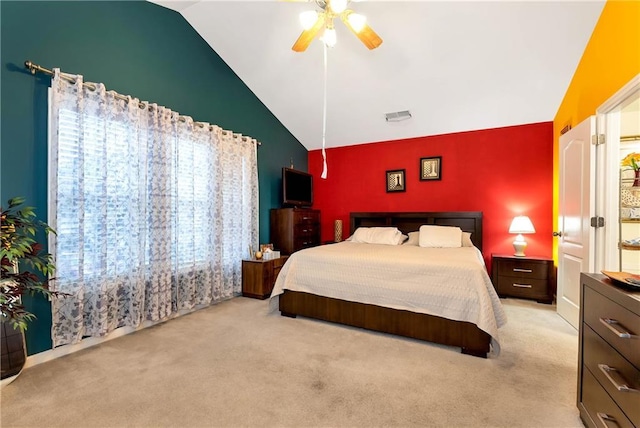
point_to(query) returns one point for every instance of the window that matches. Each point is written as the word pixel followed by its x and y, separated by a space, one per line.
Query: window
pixel 154 212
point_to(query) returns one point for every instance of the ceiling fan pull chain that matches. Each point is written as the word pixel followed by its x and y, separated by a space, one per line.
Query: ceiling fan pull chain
pixel 324 117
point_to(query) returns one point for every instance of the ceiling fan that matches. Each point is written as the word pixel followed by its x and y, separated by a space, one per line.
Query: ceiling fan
pixel 314 21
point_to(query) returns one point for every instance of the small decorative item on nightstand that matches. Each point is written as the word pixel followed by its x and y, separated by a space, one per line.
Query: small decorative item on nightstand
pixel 525 277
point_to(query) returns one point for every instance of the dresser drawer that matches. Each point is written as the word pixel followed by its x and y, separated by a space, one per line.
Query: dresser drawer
pixel 306 229
pixel 522 287
pixel 306 242
pixel 523 269
pixel 306 216
pixel 601 408
pixel 612 371
pixel 611 321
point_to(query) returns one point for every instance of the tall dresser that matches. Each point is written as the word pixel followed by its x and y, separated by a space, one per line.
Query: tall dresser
pixel 609 353
pixel 293 229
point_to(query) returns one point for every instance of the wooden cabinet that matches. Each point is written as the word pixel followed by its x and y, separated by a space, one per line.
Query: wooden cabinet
pixel 608 353
pixel 293 229
pixel 525 277
pixel 259 276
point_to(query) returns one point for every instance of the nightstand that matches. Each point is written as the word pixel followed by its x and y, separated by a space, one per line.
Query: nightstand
pixel 259 276
pixel 526 277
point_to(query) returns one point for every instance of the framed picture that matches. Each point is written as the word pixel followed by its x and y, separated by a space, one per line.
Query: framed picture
pixel 396 181
pixel 431 168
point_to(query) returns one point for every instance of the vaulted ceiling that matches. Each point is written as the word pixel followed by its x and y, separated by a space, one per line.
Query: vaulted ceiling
pixel 455 65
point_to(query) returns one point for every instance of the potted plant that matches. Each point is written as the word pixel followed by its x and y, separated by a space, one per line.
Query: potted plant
pixel 25 268
pixel 632 160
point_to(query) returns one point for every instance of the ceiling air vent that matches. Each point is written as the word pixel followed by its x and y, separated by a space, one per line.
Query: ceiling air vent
pixel 398 116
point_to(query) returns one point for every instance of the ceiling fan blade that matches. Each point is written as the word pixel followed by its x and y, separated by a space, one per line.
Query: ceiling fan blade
pixel 365 34
pixel 307 36
pixel 369 37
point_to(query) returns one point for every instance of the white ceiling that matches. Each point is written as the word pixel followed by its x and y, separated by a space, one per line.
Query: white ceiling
pixel 457 66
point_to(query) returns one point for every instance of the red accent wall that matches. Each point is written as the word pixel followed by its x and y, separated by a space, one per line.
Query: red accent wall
pixel 502 172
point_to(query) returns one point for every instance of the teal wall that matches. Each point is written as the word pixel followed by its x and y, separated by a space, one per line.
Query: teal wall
pixel 135 48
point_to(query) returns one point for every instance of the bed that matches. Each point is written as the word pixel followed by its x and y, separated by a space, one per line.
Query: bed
pixel 335 283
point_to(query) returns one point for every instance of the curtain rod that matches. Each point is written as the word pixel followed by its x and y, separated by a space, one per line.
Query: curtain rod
pixel 33 68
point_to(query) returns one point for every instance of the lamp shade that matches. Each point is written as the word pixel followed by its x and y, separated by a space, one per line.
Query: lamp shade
pixel 521 224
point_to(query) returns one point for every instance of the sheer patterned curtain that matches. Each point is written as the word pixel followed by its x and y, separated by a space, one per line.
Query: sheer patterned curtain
pixel 154 212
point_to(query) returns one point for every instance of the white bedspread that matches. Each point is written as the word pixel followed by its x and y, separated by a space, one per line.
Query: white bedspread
pixel 446 282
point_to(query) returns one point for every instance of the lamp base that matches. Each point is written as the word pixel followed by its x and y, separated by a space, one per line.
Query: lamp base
pixel 519 246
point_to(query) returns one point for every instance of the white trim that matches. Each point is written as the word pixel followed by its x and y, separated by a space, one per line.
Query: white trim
pixel 617 98
pixel 608 123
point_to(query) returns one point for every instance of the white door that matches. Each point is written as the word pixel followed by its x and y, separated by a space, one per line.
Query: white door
pixel 576 203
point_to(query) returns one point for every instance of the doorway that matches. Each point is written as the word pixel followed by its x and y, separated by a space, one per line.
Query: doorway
pixel 596 220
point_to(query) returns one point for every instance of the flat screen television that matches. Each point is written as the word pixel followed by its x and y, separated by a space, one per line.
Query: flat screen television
pixel 297 188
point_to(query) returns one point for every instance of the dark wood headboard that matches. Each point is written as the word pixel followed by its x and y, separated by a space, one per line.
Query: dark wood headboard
pixel 468 221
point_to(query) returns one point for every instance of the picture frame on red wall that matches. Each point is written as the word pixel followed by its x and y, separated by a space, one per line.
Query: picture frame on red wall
pixel 396 181
pixel 431 168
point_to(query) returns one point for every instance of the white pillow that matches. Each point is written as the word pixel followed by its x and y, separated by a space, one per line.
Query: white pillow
pixel 414 239
pixel 440 236
pixel 378 235
pixel 466 239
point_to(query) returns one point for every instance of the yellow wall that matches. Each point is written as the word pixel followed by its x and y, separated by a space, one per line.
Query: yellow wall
pixel 610 60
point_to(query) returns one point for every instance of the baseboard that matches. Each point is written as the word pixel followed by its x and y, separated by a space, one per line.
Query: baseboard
pixel 61 351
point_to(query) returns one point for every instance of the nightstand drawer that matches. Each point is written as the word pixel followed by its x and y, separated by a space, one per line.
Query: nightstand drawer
pixel 259 276
pixel 520 287
pixel 278 263
pixel 523 269
pixel 527 277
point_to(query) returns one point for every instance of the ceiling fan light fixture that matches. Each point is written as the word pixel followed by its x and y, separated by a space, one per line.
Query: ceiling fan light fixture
pixel 357 21
pixel 329 37
pixel 308 19
pixel 337 6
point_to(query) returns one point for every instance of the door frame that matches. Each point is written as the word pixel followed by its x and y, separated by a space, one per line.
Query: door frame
pixel 607 163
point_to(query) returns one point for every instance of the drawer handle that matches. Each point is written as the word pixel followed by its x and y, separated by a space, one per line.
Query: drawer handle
pixel 609 372
pixel 523 270
pixel 605 419
pixel 611 325
pixel 306 218
pixel 522 285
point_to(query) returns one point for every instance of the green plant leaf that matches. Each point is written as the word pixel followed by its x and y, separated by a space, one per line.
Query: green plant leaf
pixel 19 228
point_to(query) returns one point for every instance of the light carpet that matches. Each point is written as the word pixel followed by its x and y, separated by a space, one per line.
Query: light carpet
pixel 234 365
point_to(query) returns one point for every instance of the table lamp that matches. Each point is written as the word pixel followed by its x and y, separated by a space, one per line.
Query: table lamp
pixel 521 224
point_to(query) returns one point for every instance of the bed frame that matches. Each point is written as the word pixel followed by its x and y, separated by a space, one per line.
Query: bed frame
pixel 465 335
